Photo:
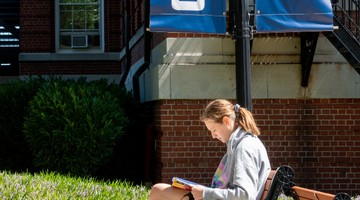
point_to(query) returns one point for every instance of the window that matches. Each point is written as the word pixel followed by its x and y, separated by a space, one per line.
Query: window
pixel 79 25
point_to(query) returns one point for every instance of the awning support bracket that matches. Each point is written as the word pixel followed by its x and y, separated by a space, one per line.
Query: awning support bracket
pixel 308 47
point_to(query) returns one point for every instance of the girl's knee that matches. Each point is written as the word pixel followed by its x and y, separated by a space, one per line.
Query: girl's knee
pixel 159 187
pixel 163 191
pixel 156 190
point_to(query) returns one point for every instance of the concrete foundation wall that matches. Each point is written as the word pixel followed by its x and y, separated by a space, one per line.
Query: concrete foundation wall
pixel 204 68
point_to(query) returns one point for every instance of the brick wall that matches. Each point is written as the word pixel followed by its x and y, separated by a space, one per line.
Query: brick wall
pixel 74 67
pixel 113 26
pixel 319 138
pixel 36 22
pixel 137 52
pixel 136 18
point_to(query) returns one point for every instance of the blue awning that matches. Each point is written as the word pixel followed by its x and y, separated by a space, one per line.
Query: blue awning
pixel 293 16
pixel 195 16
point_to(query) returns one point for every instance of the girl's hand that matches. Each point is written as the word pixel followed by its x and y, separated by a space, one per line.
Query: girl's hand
pixel 197 192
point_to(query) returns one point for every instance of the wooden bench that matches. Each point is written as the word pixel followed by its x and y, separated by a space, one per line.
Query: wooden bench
pixel 267 185
pixel 280 180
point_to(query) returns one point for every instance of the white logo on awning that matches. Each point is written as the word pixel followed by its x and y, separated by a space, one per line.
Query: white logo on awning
pixel 198 5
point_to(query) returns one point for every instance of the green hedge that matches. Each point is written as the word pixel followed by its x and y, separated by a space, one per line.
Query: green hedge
pixel 15 153
pixel 128 160
pixel 73 128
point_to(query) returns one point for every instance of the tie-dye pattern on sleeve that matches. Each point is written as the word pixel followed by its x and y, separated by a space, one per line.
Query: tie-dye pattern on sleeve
pixel 220 179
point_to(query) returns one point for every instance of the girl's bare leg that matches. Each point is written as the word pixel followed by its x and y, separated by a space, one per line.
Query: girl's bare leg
pixel 162 191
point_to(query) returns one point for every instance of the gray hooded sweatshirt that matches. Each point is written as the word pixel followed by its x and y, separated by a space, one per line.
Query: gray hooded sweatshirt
pixel 243 170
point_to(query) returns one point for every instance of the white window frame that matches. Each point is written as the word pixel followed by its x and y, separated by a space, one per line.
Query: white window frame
pixel 57 32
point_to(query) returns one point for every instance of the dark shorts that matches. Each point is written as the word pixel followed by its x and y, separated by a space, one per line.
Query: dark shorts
pixel 191 197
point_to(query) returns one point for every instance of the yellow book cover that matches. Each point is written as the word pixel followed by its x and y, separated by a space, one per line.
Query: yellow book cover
pixel 183 184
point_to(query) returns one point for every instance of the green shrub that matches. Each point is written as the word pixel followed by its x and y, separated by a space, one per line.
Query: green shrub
pixel 74 126
pixel 15 153
pixel 128 166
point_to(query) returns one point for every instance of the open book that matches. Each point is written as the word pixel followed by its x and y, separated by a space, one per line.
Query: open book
pixel 183 184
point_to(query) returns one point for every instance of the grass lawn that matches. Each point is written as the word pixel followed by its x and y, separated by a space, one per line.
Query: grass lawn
pixel 51 186
pixel 55 186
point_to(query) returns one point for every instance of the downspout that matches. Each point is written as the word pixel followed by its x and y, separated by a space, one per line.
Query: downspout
pixel 127 40
pixel 147 49
pixel 136 91
pixel 142 68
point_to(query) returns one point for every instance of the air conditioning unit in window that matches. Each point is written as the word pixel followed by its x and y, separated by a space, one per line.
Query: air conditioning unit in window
pixel 79 41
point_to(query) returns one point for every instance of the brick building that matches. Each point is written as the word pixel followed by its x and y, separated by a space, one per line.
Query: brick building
pixel 57 38
pixel 314 129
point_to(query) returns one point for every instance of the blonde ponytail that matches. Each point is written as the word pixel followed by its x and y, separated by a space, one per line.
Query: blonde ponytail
pixel 245 119
pixel 220 108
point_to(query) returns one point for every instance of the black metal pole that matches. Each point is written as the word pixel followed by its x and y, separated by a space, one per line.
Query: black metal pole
pixel 242 52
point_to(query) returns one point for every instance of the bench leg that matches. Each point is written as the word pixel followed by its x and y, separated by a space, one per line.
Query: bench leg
pixel 285 176
pixel 289 192
pixel 342 196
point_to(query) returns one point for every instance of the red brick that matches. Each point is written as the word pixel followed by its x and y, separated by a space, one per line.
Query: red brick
pixel 179 106
pixel 195 106
pixel 196 128
pixel 355 127
pixel 276 106
pixel 343 159
pixel 276 116
pixel 292 117
pixel 180 117
pixel 342 117
pixel 261 117
pixel 172 34
pixel 179 128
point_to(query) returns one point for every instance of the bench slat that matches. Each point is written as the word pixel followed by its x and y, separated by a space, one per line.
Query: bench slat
pixel 268 183
pixel 304 198
pixel 264 194
pixel 325 196
pixel 271 175
pixel 306 194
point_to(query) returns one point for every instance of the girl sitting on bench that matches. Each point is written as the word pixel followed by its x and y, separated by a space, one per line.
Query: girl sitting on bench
pixel 243 170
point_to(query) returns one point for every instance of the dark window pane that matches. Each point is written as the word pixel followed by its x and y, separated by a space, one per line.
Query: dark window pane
pixel 92 19
pixel 94 41
pixel 65 8
pixel 92 7
pixel 79 7
pixel 65 41
pixel 79 19
pixel 65 20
